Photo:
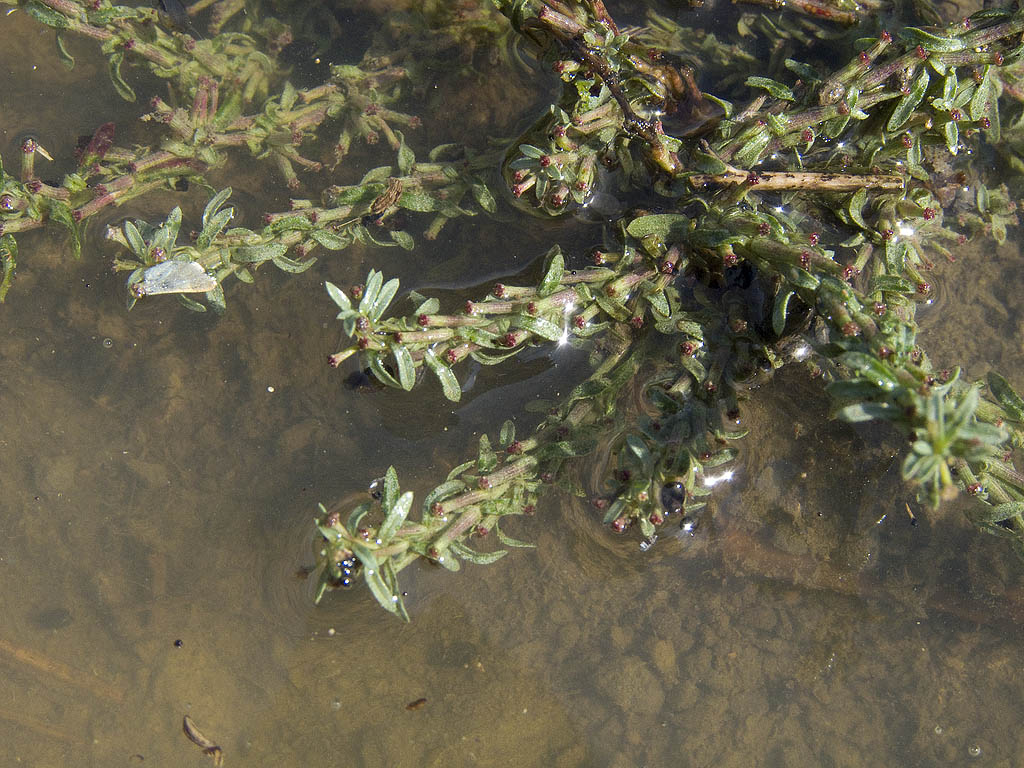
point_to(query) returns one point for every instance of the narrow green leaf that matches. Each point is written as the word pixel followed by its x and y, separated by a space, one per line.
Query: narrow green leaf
pixel 191 304
pixel 374 580
pixel 338 296
pixel 774 87
pixel 541 327
pixel 779 311
pixel 477 558
pixel 406 369
pixel 952 135
pixel 484 198
pixel 856 206
pixel 905 107
pixel 507 435
pixel 292 266
pixel 891 283
pixel 664 224
pixel 659 303
pixel 391 582
pixel 553 273
pixel 403 239
pixel 751 152
pixel 931 42
pixel 383 300
pixel 1006 396
pixel 406 158
pixel 395 517
pixel 46 15
pixel 330 240
pixel 355 517
pixel 123 89
pixel 371 290
pixel 8 263
pixel 214 227
pixel 449 384
pixel 487 459
pixel 61 213
pixel 257 254
pixel 65 57
pixel 134 238
pixel 508 541
pixel 214 205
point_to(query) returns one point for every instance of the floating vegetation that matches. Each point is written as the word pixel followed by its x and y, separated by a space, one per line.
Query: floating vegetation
pixel 762 206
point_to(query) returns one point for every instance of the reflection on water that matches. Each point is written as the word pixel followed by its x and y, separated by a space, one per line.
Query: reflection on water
pixel 160 470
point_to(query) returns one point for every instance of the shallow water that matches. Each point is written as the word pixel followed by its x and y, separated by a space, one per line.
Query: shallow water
pixel 160 469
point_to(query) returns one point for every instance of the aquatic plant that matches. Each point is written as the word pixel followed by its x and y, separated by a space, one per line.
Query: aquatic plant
pixel 796 215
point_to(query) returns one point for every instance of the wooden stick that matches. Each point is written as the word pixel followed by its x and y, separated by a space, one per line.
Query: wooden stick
pixel 41 729
pixel 805 180
pixel 60 671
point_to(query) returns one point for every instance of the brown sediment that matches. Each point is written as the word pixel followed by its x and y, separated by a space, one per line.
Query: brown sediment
pixel 59 671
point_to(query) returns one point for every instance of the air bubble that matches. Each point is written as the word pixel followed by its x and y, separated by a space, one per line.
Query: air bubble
pixel 938 730
pixel 974 750
pixel 108 343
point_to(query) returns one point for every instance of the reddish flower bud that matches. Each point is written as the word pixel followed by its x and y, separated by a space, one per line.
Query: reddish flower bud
pixel 807 136
pixel 928 213
pixel 619 524
pixel 850 329
pixel 921 52
pixel 578 322
pixel 813 238
pixel 764 228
